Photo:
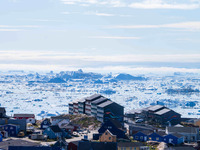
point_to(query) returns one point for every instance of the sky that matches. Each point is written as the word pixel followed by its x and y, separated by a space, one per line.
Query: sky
pixel 100 35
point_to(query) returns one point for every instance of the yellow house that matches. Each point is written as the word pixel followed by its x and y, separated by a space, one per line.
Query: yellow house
pixel 130 146
pixel 107 136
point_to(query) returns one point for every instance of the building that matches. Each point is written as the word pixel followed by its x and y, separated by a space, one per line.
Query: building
pixel 53 132
pixel 142 136
pixel 157 114
pixel 156 136
pixel 107 136
pixel 115 127
pixel 110 109
pixel 174 139
pixel 56 119
pixel 167 117
pixel 191 134
pixel 135 128
pixel 61 143
pixel 45 124
pixel 3 112
pixel 98 106
pixel 1 137
pixel 81 106
pixel 87 145
pixel 130 146
pixel 88 102
pixel 30 118
pixel 73 145
pixel 11 129
pixel 95 103
pixel 21 122
pixel 71 110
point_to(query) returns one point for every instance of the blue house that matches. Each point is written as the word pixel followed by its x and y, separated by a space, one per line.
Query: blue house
pixel 115 127
pixel 174 139
pixel 12 129
pixel 53 132
pixel 156 136
pixel 45 123
pixel 141 136
pixel 1 137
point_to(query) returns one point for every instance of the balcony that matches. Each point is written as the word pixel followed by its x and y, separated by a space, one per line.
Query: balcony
pixel 100 111
pixel 100 115
pixel 88 107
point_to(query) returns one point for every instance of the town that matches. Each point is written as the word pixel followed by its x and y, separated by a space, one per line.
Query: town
pixel 98 123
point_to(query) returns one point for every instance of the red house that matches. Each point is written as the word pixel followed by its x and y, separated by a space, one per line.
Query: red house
pixel 73 145
pixel 30 118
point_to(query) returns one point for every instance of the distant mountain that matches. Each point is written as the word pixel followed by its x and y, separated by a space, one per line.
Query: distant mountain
pixel 79 75
pixel 124 76
pixel 57 80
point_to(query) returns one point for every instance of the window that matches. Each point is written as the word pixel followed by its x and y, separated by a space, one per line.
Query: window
pixel 106 133
pixel 157 138
pixel 149 138
pixel 141 137
pixel 109 138
pixel 136 137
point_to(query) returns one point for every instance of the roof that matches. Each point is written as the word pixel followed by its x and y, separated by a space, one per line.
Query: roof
pixel 182 130
pixel 105 104
pixel 155 107
pixel 99 100
pixel 55 128
pixel 2 109
pixel 163 111
pixel 63 116
pixel 93 97
pixel 177 135
pixel 86 145
pixel 11 125
pixel 109 132
pixel 161 133
pixel 116 123
pixel 133 111
pixel 82 100
pixel 60 143
pixel 146 132
pixel 130 144
pixel 24 115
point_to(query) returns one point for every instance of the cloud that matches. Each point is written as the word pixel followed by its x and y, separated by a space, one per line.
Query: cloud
pixel 11 30
pixel 21 26
pixel 116 37
pixel 161 4
pixel 138 4
pixel 99 14
pixel 55 57
pixel 190 26
pixel 16 28
pixel 96 13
